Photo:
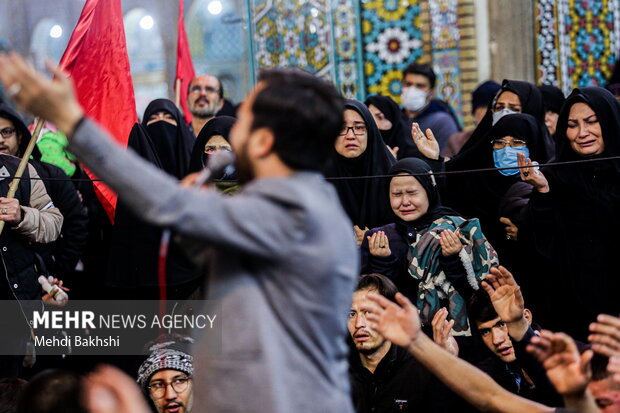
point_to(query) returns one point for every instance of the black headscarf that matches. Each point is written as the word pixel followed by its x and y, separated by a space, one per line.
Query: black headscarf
pixel 172 144
pixel 398 135
pixel 580 235
pixel 531 104
pixel 607 110
pixel 422 172
pixel 135 243
pixel 520 126
pixel 365 200
pixel 480 194
pixel 219 125
pixel 553 98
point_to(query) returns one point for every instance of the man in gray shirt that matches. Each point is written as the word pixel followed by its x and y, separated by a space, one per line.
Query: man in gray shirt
pixel 284 258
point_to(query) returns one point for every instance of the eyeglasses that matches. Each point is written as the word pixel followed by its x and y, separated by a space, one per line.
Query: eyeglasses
pixel 179 385
pixel 7 132
pixel 357 130
pixel 207 89
pixel 500 143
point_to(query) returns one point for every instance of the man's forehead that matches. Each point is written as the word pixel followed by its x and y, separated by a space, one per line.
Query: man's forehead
pixel 205 80
pixel 488 324
pixel 167 374
pixel 417 78
pixel 361 296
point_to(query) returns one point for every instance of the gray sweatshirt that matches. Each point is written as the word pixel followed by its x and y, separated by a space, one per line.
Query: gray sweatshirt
pixel 284 266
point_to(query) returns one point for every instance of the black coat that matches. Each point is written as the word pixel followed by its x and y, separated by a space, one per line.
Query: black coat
pixel 63 255
pixel 576 224
pixel 399 384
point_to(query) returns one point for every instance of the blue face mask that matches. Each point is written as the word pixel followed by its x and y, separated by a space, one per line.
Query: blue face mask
pixel 507 157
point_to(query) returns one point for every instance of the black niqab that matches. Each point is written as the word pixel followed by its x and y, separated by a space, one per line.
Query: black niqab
pixel 172 144
pixel 135 243
pixel 365 200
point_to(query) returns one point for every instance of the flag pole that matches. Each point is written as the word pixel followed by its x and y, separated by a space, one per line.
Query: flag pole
pixel 177 91
pixel 23 163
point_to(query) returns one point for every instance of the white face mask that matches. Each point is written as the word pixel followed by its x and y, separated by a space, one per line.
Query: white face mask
pixel 498 115
pixel 413 98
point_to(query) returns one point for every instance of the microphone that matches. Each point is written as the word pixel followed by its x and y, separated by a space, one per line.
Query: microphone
pixel 218 162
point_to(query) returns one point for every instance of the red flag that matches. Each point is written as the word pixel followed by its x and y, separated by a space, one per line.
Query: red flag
pixel 96 59
pixel 185 67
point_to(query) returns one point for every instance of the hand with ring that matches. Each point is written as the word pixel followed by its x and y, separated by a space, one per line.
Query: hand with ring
pixel 536 179
pixel 379 245
pixel 10 211
pixel 511 229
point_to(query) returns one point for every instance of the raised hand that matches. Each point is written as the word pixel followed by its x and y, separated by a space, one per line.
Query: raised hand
pixel 614 368
pixel 378 245
pixel 442 332
pixel 511 229
pixel 426 143
pixel 398 323
pixel 568 371
pixel 605 337
pixel 359 234
pixel 393 151
pixel 505 294
pixel 53 100
pixel 110 390
pixel 450 242
pixel 531 174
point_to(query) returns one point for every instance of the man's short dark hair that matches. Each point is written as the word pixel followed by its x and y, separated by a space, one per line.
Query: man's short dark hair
pixel 382 284
pixel 480 308
pixel 53 391
pixel 421 69
pixel 304 112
